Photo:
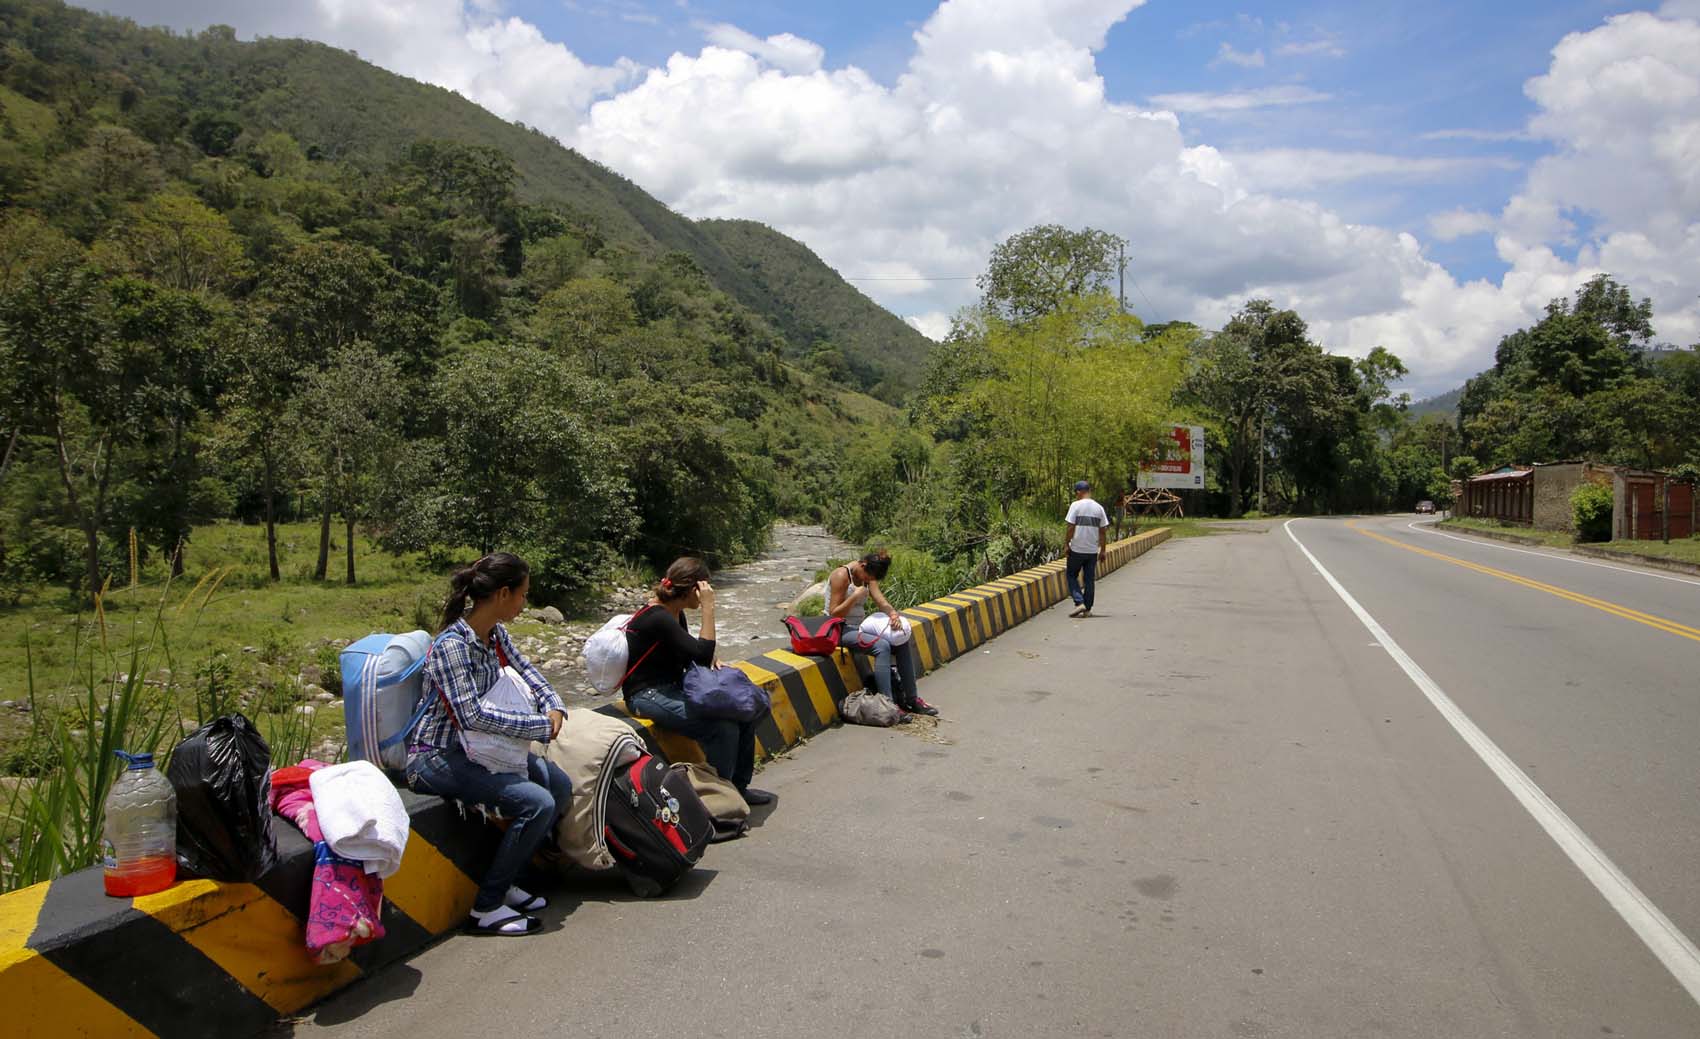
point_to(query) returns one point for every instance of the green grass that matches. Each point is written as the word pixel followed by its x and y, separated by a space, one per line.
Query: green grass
pixel 223 619
pixel 1553 538
pixel 1686 550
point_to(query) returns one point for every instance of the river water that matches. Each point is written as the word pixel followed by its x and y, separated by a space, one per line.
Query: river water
pixel 750 602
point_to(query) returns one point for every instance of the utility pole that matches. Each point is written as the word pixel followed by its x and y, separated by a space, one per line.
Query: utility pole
pixel 1260 463
pixel 1664 513
pixel 1121 275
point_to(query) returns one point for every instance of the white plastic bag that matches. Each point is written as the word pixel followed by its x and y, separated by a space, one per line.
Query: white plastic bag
pixel 496 752
pixel 878 625
pixel 605 655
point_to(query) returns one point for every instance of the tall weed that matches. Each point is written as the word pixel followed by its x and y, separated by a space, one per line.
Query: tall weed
pixel 55 822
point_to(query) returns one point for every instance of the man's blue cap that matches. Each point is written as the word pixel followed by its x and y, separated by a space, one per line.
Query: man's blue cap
pixel 1082 485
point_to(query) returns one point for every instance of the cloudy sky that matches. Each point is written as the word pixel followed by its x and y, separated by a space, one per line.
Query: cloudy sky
pixel 1423 176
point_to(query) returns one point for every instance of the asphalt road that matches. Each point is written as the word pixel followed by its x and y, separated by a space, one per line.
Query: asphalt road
pixel 1220 807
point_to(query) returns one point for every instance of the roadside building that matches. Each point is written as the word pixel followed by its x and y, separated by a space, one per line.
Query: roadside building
pixel 1555 482
pixel 1539 496
pixel 1507 494
pixel 1638 505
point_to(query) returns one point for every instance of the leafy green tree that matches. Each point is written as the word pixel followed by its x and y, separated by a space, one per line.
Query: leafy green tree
pixel 94 183
pixel 100 366
pixel 181 243
pixel 325 296
pixel 1035 272
pixel 1641 423
pixel 1074 392
pixel 173 336
pixel 551 263
pixel 693 491
pixel 1259 372
pixel 265 379
pixel 583 319
pixel 350 412
pixel 215 133
pixel 523 462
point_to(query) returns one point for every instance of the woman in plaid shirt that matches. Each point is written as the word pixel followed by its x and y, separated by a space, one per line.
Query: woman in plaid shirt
pixel 465 661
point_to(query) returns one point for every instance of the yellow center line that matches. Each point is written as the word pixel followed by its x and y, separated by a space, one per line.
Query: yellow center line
pixel 1650 620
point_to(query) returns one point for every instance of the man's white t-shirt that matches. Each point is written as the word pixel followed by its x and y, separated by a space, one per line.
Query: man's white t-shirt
pixel 1089 521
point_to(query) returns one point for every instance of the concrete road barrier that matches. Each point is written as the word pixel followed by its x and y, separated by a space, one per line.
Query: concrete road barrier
pixel 222 961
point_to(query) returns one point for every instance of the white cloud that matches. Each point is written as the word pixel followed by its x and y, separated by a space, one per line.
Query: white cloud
pixel 1621 105
pixel 1476 135
pixel 934 325
pixel 1241 101
pixel 1000 121
pixel 791 53
pixel 1302 169
pixel 1227 55
pixel 1323 47
pixel 1460 223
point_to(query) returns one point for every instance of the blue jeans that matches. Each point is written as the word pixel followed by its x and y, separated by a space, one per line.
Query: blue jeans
pixel 729 746
pixel 534 803
pixel 1082 563
pixel 884 654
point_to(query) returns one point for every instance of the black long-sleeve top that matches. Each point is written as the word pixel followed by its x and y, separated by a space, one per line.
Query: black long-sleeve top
pixel 670 647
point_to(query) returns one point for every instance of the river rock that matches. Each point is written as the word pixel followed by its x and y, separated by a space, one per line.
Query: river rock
pixel 550 615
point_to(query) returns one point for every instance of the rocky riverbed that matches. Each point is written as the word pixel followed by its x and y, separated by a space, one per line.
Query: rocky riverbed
pixel 750 601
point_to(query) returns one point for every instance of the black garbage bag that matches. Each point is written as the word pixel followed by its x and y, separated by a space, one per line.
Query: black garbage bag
pixel 223 777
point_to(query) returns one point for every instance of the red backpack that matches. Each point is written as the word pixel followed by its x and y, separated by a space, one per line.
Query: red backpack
pixel 814 636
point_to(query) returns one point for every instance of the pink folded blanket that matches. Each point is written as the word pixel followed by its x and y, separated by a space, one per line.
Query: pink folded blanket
pixel 346 905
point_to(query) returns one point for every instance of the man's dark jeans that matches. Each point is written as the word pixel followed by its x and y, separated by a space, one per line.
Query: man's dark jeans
pixel 1079 564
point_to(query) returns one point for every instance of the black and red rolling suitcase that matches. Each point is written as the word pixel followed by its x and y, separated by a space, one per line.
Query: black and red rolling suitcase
pixel 657 827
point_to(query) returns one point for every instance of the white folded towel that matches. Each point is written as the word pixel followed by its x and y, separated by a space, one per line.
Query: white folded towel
pixel 361 815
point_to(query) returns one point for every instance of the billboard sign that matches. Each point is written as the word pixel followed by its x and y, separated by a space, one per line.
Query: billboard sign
pixel 1180 461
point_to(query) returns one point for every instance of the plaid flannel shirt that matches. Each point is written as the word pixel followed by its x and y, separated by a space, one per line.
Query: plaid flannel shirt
pixel 461 669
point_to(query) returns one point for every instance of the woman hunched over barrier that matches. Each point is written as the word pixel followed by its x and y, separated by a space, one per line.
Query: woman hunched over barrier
pixel 848 590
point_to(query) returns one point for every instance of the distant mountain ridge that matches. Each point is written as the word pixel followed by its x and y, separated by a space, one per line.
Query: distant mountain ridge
pixel 810 302
pixel 339 106
pixel 1445 404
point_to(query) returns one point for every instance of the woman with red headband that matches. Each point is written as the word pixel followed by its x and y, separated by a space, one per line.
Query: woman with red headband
pixel 660 642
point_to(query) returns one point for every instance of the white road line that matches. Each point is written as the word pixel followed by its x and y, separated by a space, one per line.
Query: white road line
pixel 1426 527
pixel 1670 945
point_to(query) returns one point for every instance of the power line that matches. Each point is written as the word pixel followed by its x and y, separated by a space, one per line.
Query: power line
pixel 920 277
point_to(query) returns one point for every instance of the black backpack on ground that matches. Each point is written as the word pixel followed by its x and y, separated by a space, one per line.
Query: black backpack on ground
pixel 657 826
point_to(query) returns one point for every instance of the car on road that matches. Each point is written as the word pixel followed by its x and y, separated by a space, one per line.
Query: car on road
pixel 1425 506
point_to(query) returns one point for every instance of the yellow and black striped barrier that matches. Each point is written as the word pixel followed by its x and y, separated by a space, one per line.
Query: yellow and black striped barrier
pixel 223 961
pixel 204 958
pixel 806 691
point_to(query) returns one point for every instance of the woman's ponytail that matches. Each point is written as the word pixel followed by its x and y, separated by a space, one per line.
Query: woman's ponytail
pixel 681 580
pixel 472 584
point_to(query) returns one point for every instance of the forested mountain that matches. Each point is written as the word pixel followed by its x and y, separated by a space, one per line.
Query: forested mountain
pixel 341 109
pixel 267 280
pixel 851 336
pixel 1445 405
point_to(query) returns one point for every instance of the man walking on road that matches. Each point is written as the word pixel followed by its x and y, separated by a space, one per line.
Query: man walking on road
pixel 1086 523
